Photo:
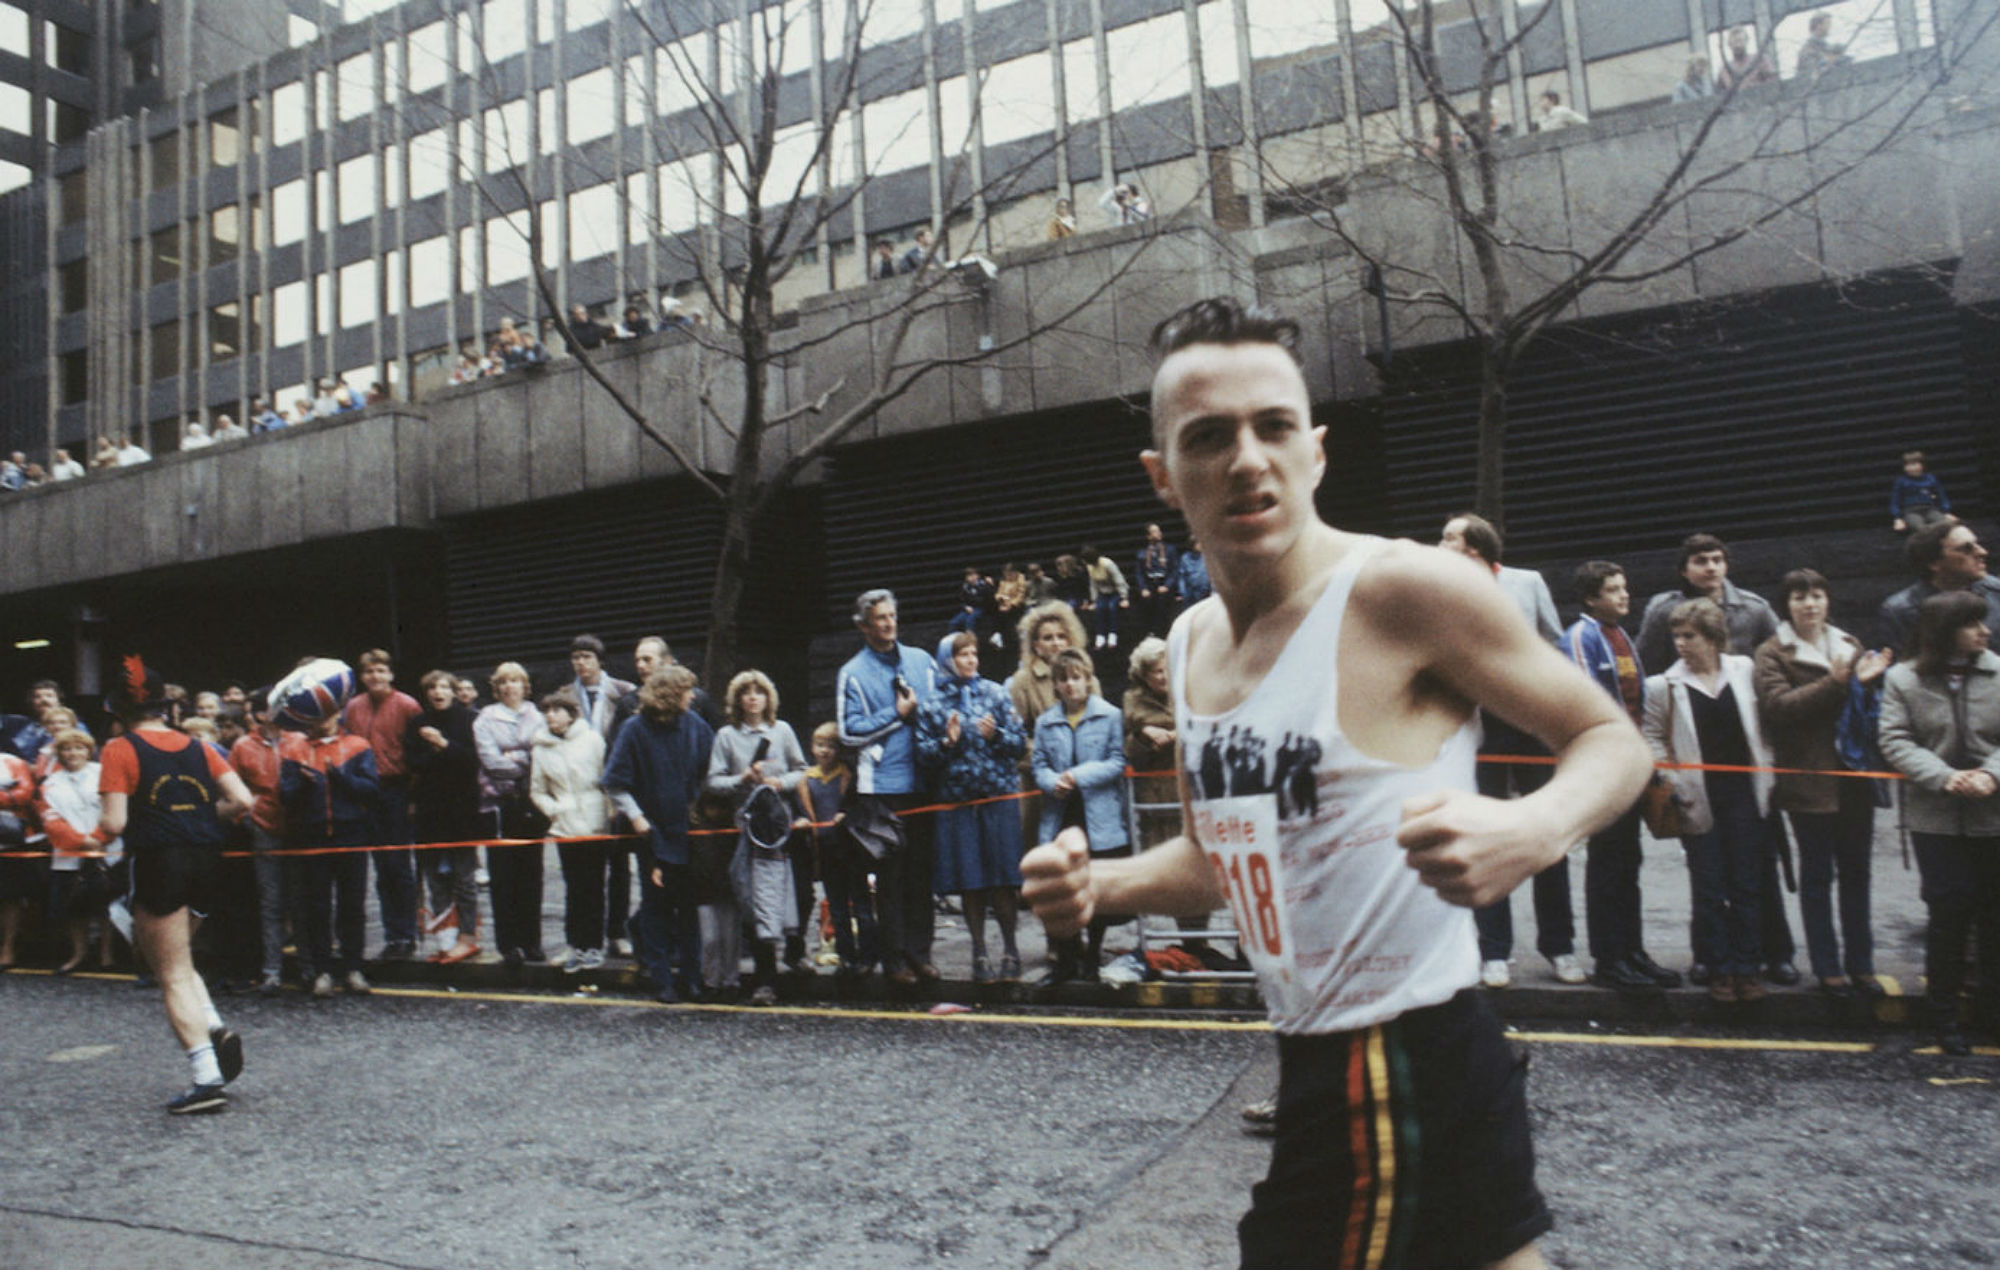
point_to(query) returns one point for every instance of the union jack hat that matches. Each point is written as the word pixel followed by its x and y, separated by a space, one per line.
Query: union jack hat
pixel 315 691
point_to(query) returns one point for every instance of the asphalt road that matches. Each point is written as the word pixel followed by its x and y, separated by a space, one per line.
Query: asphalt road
pixel 448 1130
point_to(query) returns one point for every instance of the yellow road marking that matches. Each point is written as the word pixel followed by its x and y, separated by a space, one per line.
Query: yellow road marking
pixel 1694 1042
pixel 1749 1044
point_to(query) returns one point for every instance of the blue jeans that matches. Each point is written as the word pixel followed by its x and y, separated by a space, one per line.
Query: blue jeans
pixel 1726 877
pixel 336 891
pixel 396 871
pixel 1837 843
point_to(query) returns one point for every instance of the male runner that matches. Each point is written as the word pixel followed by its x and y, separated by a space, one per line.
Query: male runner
pixel 1344 673
pixel 166 793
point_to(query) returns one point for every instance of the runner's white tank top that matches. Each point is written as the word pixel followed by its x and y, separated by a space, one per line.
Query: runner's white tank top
pixel 1301 828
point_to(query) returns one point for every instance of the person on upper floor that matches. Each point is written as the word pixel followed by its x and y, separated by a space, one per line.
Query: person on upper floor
pixel 1741 68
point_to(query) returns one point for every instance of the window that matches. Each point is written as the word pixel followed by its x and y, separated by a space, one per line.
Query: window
pixel 357 188
pixel 225 139
pixel 300 30
pixel 322 201
pixel 1149 61
pixel 163 155
pixel 288 315
pixel 164 257
pixel 592 106
pixel 507 248
pixel 75 377
pixel 593 222
pixel 897 135
pixel 392 282
pixel 165 361
pixel 225 332
pixel 254 124
pixel 13 30
pixel 288 213
pixel 506 135
pixel 357 86
pixel 142 61
pixel 225 234
pixel 322 96
pixel 430 62
pixel 74 194
pixel 288 114
pixel 17 109
pixel 505 29
pixel 357 294
pixel 66 122
pixel 1016 100
pixel 73 280
pixel 430 272
pixel 68 49
pixel 430 163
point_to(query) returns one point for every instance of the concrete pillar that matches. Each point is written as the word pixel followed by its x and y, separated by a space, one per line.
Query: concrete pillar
pixel 976 143
pixel 1579 81
pixel 1059 90
pixel 1517 82
pixel 933 111
pixel 1246 105
pixel 1350 85
pixel 1100 45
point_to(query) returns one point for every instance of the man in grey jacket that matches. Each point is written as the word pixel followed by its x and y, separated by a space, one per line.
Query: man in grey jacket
pixel 1704 570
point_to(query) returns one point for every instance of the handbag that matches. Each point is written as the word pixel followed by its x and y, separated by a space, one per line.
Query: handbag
pixel 1659 805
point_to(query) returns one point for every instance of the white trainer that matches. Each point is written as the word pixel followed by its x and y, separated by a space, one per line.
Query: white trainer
pixel 1569 968
pixel 1494 974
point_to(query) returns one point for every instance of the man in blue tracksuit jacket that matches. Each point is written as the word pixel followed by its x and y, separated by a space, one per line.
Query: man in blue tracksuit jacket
pixel 879 691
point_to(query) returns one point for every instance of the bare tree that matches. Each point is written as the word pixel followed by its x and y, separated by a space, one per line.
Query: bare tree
pixel 1742 163
pixel 768 194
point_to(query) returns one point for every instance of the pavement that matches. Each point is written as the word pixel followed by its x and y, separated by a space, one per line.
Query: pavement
pixel 1535 995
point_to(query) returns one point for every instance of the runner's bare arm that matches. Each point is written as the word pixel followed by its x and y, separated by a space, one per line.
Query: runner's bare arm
pixel 237 798
pixel 1065 887
pixel 111 817
pixel 1467 638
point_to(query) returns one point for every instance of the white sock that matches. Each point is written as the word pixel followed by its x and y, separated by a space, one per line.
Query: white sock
pixel 214 1019
pixel 202 1059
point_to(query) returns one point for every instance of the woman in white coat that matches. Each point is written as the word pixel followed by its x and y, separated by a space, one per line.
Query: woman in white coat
pixel 1703 710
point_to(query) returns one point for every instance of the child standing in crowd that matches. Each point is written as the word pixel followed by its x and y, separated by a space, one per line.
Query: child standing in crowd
pixel 969 738
pixel 79 854
pixel 444 796
pixel 564 784
pixel 1080 769
pixel 754 748
pixel 1917 499
pixel 330 789
pixel 840 861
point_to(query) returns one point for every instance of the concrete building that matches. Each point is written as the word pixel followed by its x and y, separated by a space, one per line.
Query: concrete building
pixel 353 206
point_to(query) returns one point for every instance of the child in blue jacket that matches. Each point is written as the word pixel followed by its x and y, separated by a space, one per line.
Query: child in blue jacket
pixel 1079 762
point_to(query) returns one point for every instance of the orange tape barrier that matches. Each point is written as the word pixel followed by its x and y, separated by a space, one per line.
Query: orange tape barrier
pixel 928 809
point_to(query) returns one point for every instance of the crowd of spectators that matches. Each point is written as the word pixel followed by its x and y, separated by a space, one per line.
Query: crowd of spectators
pixel 812 857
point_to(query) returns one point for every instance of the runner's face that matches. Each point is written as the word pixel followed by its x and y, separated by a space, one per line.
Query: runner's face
pixel 1239 455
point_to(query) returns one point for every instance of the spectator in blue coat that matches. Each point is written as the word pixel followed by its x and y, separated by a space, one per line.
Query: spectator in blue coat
pixel 970 739
pixel 879 692
pixel 1080 769
pixel 654 775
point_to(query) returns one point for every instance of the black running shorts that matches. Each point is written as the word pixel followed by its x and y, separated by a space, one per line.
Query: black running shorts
pixel 168 879
pixel 1401 1145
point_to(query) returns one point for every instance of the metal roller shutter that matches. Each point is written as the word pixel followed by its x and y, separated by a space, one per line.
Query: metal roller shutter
pixel 1751 420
